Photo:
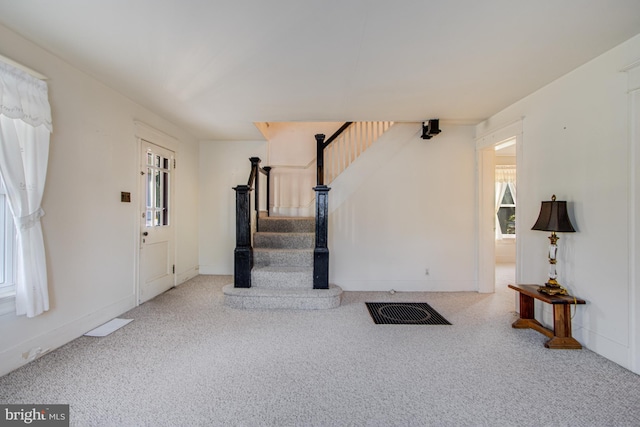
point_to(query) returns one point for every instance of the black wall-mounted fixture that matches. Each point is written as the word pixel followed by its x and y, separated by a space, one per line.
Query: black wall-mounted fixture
pixel 430 128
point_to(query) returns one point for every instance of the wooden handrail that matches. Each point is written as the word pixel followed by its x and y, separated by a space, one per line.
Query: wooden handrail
pixel 337 133
pixel 343 148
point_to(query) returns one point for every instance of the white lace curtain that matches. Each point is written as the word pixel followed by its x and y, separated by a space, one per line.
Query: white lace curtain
pixel 505 178
pixel 25 127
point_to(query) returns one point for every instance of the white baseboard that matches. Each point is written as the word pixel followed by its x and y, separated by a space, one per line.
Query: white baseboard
pixel 213 270
pixel 614 351
pixel 408 285
pixel 33 348
pixel 188 274
pixel 605 347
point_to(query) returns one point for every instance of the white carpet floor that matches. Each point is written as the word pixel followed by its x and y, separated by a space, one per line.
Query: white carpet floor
pixel 187 360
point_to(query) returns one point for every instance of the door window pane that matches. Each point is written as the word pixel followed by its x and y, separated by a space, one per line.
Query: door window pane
pixel 158 190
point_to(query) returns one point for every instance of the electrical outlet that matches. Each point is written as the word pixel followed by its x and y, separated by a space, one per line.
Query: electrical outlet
pixel 426 272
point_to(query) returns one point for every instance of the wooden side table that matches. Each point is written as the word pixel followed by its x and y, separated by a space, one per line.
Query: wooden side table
pixel 560 337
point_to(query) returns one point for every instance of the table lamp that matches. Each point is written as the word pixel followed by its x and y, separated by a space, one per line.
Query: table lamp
pixel 553 217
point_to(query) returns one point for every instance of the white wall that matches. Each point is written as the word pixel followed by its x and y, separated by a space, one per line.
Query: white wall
pixel 223 165
pixel 294 143
pixel 410 209
pixel 90 236
pixel 576 146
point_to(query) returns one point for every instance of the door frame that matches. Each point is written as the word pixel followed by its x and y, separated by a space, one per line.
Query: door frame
pixel 161 139
pixel 485 202
pixel 633 87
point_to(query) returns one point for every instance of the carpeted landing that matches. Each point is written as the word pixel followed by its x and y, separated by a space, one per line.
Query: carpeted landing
pixel 189 360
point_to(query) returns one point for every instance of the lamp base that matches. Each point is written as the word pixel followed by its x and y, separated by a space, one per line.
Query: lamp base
pixel 552 288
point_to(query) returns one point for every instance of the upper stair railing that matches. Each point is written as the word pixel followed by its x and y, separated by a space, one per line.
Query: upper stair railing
pixel 343 147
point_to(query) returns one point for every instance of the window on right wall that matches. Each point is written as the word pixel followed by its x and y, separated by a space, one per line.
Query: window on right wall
pixel 507 213
pixel 505 202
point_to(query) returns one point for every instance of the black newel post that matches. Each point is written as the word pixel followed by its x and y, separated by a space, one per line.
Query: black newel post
pixel 255 171
pixel 321 251
pixel 320 159
pixel 267 170
pixel 243 254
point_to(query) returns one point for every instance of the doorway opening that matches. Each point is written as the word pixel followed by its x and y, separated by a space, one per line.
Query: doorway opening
pixel 505 218
pixel 157 234
pixel 498 153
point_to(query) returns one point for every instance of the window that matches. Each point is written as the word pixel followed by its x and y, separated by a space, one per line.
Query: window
pixel 505 197
pixel 507 212
pixel 7 244
pixel 25 147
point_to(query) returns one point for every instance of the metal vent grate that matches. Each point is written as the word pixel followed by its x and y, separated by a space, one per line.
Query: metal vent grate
pixel 405 313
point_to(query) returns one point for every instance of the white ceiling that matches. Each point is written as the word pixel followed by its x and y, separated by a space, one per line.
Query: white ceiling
pixel 217 66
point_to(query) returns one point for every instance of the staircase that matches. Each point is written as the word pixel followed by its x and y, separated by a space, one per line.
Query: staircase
pixel 282 273
pixel 283 262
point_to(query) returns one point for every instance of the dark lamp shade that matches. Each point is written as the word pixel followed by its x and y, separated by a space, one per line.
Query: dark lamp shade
pixel 553 217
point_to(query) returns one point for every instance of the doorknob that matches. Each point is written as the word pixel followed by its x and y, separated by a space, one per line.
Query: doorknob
pixel 146 233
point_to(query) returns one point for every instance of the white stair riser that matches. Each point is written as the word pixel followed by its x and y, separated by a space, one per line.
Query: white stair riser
pixel 282 279
pixel 288 225
pixel 283 257
pixel 284 240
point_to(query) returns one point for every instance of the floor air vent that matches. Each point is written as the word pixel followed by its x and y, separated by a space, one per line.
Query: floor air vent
pixel 405 313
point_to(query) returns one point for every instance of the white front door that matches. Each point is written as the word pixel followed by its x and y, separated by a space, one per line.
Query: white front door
pixel 157 255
